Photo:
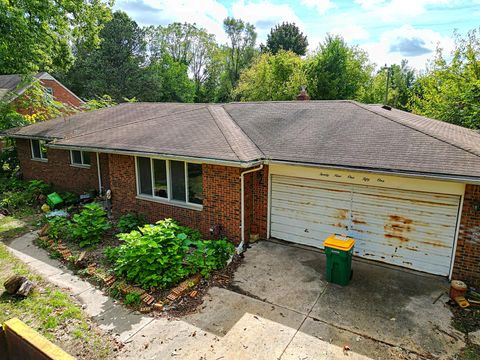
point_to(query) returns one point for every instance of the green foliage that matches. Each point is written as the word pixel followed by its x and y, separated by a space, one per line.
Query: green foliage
pixel 129 222
pixel 59 228
pixel 69 198
pixel 287 37
pixel 337 71
pixel 132 299
pixel 161 255
pixel 450 89
pixel 89 225
pixel 100 102
pixel 272 77
pixel 37 35
pixel 17 194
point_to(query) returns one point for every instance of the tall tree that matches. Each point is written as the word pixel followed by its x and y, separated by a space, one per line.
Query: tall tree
pixel 272 77
pixel 450 89
pixel 36 35
pixel 115 67
pixel 402 79
pixel 287 36
pixel 241 47
pixel 338 71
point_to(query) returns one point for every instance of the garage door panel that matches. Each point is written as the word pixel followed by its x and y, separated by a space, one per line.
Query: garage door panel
pixel 401 227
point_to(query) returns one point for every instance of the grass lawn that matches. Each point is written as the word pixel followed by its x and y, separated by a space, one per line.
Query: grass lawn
pixel 50 311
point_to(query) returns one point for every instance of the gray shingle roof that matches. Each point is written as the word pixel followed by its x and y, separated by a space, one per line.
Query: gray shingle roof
pixel 329 133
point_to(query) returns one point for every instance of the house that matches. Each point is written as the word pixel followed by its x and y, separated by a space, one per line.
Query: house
pixel 13 86
pixel 405 187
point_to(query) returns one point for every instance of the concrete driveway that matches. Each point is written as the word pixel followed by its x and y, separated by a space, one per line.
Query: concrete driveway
pixel 281 306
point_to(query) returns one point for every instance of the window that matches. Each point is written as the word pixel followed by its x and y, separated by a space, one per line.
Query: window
pixel 49 90
pixel 170 180
pixel 80 158
pixel 39 150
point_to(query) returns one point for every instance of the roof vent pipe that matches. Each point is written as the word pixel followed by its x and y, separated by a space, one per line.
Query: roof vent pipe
pixel 303 94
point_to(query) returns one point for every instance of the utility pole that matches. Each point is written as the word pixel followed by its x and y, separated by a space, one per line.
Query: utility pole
pixel 385 102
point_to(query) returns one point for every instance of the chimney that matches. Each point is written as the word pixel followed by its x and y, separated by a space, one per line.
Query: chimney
pixel 303 95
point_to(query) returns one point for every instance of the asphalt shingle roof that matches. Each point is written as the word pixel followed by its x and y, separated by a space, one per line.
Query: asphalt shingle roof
pixel 329 133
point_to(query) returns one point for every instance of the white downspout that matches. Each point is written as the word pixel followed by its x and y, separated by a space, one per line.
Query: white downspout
pixel 242 212
pixel 99 175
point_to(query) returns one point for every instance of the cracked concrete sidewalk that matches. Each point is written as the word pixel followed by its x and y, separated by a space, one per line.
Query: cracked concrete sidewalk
pixel 145 337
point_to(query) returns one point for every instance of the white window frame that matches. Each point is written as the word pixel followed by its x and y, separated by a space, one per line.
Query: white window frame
pixel 82 165
pixel 168 199
pixel 41 158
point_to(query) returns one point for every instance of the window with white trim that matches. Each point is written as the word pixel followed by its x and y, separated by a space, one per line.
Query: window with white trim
pixel 170 180
pixel 39 150
pixel 79 158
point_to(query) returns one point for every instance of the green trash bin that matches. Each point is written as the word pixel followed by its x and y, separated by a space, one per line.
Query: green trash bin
pixel 339 251
pixel 53 200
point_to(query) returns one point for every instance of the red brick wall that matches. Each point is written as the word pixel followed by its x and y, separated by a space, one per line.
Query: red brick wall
pixel 467 257
pixel 57 171
pixel 256 203
pixel 60 93
pixel 221 207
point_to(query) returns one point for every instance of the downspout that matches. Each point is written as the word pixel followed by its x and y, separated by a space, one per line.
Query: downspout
pixel 242 212
pixel 99 175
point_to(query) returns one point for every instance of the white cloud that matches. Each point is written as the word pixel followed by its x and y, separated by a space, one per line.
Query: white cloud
pixel 398 10
pixel 351 32
pixel 416 45
pixel 322 6
pixel 264 15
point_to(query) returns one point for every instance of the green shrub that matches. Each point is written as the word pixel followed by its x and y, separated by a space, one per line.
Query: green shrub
pixel 132 298
pixel 69 198
pixel 162 255
pixel 16 194
pixel 129 222
pixel 59 228
pixel 89 225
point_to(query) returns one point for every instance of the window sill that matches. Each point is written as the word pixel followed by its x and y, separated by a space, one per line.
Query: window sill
pixel 80 166
pixel 172 203
pixel 39 160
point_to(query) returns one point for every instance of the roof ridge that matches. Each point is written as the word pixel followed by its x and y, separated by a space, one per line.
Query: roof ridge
pixel 130 123
pixel 234 134
pixel 420 129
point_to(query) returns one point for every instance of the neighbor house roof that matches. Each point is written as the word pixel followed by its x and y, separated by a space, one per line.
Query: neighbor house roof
pixel 325 133
pixel 15 84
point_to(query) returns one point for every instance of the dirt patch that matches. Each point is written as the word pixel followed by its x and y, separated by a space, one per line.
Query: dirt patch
pixel 465 320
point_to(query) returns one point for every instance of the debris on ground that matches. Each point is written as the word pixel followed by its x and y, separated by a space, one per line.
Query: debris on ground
pixel 19 285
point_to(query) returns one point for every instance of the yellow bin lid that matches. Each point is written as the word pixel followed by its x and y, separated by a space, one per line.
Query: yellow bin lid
pixel 339 242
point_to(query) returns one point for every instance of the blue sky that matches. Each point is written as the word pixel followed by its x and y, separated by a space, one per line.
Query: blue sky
pixel 389 30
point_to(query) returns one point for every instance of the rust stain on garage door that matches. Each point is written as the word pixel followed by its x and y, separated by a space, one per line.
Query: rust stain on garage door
pixel 398 228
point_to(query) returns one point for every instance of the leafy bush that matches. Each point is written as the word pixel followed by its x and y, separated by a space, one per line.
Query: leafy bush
pixel 59 228
pixel 89 225
pixel 16 194
pixel 132 298
pixel 162 255
pixel 69 198
pixel 129 222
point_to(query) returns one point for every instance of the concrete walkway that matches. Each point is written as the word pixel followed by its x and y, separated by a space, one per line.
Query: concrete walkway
pixel 145 337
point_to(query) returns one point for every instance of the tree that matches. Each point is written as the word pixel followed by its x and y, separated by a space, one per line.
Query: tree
pixel 337 71
pixel 36 35
pixel 450 90
pixel 287 37
pixel 272 77
pixel 402 78
pixel 114 68
pixel 241 47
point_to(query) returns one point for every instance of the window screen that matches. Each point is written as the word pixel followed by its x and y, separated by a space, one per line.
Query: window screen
pixel 144 176
pixel 195 183
pixel 160 178
pixel 177 170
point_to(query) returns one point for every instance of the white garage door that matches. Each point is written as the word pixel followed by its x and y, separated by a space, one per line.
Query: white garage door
pixel 406 228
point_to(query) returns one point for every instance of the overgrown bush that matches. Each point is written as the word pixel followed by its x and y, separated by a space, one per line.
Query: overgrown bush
pixel 163 254
pixel 69 198
pixel 16 194
pixel 59 228
pixel 129 222
pixel 89 225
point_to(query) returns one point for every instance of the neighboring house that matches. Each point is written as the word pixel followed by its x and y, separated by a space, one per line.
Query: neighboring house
pixel 12 87
pixel 405 187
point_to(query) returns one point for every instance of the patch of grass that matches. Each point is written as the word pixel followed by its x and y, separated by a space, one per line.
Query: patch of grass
pixel 51 312
pixel 470 352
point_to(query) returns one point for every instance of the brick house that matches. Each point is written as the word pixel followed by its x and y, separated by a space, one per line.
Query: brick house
pixel 405 187
pixel 12 88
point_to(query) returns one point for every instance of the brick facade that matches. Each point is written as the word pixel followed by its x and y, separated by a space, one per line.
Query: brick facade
pixel 467 258
pixel 256 203
pixel 221 205
pixel 57 171
pixel 60 93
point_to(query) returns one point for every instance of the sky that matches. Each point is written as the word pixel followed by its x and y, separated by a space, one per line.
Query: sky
pixel 389 30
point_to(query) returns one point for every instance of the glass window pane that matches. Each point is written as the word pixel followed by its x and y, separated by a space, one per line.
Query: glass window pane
pixel 76 157
pixel 144 176
pixel 86 158
pixel 195 183
pixel 160 178
pixel 177 170
pixel 43 149
pixel 36 149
